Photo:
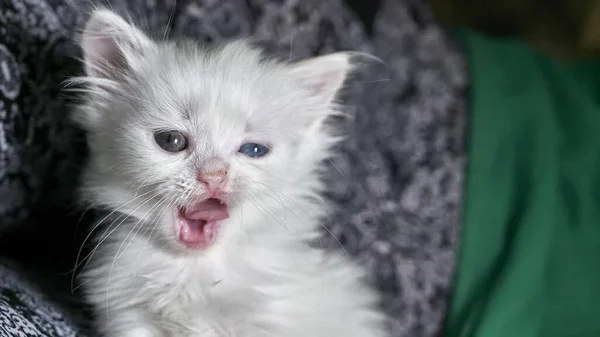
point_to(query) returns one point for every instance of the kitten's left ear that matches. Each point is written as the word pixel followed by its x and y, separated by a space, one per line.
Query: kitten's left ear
pixel 111 45
pixel 323 76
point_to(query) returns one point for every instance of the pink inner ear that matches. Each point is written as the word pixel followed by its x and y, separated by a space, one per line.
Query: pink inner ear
pixel 323 76
pixel 107 40
pixel 321 85
pixel 104 57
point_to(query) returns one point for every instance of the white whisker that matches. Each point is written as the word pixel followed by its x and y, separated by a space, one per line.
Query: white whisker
pixel 77 264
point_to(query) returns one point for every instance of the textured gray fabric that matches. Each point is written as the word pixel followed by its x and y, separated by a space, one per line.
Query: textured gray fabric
pixel 403 170
pixel 396 183
pixel 25 311
pixel 36 157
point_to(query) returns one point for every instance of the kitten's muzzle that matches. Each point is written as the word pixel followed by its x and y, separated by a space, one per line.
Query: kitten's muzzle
pixel 214 183
pixel 197 225
pixel 213 176
pixel 211 209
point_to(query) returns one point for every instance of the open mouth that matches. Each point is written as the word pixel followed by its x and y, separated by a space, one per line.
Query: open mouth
pixel 197 225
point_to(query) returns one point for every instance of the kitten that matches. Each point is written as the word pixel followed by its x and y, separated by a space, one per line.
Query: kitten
pixel 209 160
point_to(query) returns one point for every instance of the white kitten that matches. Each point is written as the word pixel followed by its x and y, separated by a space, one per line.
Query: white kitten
pixel 209 159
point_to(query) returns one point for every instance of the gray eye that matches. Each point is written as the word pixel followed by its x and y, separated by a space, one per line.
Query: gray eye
pixel 171 141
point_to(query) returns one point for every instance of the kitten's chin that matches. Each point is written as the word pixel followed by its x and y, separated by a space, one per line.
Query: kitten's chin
pixel 197 225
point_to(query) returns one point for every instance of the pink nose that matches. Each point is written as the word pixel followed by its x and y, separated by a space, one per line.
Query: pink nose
pixel 213 182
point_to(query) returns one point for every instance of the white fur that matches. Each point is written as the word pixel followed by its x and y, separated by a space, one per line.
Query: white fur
pixel 262 277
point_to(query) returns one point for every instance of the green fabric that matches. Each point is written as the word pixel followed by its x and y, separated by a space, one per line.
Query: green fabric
pixel 529 264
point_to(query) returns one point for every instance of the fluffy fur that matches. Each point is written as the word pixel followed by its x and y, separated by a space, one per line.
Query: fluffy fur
pixel 262 277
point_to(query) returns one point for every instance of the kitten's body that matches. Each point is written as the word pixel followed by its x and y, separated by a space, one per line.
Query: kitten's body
pixel 240 289
pixel 259 275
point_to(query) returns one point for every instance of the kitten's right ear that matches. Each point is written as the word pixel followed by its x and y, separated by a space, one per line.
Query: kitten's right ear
pixel 111 45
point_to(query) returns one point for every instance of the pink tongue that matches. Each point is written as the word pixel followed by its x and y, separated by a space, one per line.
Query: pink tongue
pixel 199 223
pixel 208 210
pixel 197 234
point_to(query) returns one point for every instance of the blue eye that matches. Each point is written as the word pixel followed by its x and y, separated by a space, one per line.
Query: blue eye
pixel 253 150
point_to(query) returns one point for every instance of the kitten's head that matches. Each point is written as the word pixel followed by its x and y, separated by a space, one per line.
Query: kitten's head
pixel 181 136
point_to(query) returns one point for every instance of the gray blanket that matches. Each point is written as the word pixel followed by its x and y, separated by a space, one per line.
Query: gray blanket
pixel 396 181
